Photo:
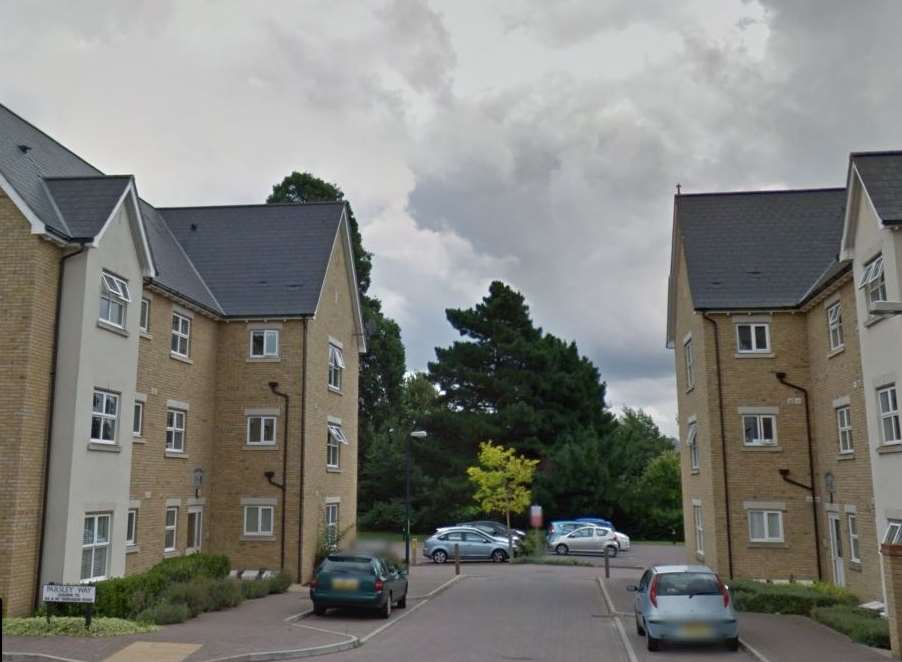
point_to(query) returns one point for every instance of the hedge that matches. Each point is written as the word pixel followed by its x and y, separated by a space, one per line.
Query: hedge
pixel 862 625
pixel 72 626
pixel 749 595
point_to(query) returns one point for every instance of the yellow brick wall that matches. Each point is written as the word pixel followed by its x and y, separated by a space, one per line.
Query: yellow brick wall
pixel 28 282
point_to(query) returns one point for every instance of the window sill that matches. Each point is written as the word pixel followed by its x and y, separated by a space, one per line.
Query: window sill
pixel 694 472
pixel 169 553
pixel 886 449
pixel 260 447
pixel 244 538
pixel 132 549
pixel 761 449
pixel 179 357
pixel 264 359
pixel 138 439
pixel 855 565
pixel 112 328
pixel 700 556
pixel 106 448
pixel 146 336
pixel 845 457
pixel 754 355
pixel 768 545
pixel 336 391
pixel 874 319
pixel 836 352
pixel 690 389
pixel 333 470
pixel 176 455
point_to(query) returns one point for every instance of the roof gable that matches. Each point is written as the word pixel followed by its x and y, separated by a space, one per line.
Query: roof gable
pixel 881 175
pixel 86 203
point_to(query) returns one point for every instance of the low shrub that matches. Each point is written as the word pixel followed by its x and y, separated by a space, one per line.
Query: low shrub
pixel 534 543
pixel 749 595
pixel 862 625
pixel 255 588
pixel 194 594
pixel 165 613
pixel 73 626
pixel 279 583
pixel 225 593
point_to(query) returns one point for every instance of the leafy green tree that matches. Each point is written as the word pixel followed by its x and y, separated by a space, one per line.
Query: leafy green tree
pixel 656 498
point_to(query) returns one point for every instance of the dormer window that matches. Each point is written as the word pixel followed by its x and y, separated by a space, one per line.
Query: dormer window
pixel 873 281
pixel 114 299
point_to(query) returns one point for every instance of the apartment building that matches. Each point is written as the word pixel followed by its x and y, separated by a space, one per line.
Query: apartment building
pixel 173 379
pixel 776 434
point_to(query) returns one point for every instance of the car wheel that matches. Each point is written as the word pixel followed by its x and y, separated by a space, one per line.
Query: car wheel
pixel 612 551
pixel 439 556
pixel 733 644
pixel 318 609
pixel 499 556
pixel 653 644
pixel 402 603
pixel 561 550
pixel 639 629
pixel 385 612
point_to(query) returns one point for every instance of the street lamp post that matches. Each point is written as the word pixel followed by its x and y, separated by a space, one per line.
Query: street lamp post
pixel 416 434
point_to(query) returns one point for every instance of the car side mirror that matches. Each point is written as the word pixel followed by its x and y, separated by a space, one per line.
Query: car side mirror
pixel 632 588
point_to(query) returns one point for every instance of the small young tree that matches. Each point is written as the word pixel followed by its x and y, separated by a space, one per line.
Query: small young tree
pixel 503 482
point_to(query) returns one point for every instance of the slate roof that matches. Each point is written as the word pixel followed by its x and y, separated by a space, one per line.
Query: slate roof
pixel 260 259
pixel 757 250
pixel 881 173
pixel 85 203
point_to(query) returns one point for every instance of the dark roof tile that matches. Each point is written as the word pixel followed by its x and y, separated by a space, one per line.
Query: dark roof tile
pixel 85 203
pixel 881 173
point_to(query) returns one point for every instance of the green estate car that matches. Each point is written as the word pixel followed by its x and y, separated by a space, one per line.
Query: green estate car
pixel 358 580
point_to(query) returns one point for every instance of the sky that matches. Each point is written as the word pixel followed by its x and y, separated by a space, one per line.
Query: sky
pixel 535 142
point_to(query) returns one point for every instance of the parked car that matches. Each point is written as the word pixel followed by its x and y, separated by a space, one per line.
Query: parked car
pixel 623 541
pixel 496 529
pixel 358 580
pixel 474 544
pixel 597 521
pixel 686 603
pixel 565 526
pixel 589 538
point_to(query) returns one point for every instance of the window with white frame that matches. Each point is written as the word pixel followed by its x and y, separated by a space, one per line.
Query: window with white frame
pixel 180 342
pixel 175 430
pixel 854 543
pixel 699 529
pixel 766 526
pixel 258 520
pixel 336 366
pixel 114 299
pixel 834 326
pixel 759 429
pixel 138 419
pixel 690 364
pixel 170 527
pixel 692 443
pixel 105 413
pixel 145 316
pixel 893 534
pixel 844 425
pixel 336 439
pixel 752 338
pixel 264 343
pixel 261 430
pixel 95 546
pixel 131 528
pixel 331 513
pixel 888 404
pixel 873 280
pixel 195 529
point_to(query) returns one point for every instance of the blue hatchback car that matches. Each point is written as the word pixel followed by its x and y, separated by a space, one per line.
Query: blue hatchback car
pixel 684 603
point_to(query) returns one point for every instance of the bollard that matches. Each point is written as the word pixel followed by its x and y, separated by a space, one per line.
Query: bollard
pixel 456 558
pixel 607 564
pixel 413 551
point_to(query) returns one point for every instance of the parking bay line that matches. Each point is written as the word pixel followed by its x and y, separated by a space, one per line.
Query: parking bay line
pixel 624 639
pixel 408 612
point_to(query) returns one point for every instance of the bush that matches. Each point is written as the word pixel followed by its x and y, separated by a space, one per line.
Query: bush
pixel 534 543
pixel 255 588
pixel 72 626
pixel 862 625
pixel 279 583
pixel 165 613
pixel 749 595
pixel 194 594
pixel 225 593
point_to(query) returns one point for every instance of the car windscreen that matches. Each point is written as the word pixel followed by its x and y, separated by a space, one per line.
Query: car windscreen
pixel 348 564
pixel 687 583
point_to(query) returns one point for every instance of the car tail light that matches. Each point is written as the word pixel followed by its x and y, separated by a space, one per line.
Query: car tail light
pixel 379 585
pixel 724 592
pixel 314 583
pixel 653 592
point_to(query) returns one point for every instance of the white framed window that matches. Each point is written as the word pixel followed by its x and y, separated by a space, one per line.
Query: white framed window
pixel 699 529
pixel 131 528
pixel 195 529
pixel 690 364
pixel 844 425
pixel 261 430
pixel 873 280
pixel 854 543
pixel 759 429
pixel 104 415
pixel 893 533
pixel 331 514
pixel 692 443
pixel 834 326
pixel 752 338
pixel 175 430
pixel 264 343
pixel 336 366
pixel 180 342
pixel 95 546
pixel 138 419
pixel 336 438
pixel 258 520
pixel 170 527
pixel 114 299
pixel 144 324
pixel 766 526
pixel 888 404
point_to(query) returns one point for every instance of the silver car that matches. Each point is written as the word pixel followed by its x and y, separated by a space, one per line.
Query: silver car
pixel 473 543
pixel 585 539
pixel 686 603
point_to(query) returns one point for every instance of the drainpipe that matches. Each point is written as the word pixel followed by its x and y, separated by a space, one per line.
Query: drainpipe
pixel 723 443
pixel 303 424
pixel 784 473
pixel 274 387
pixel 51 402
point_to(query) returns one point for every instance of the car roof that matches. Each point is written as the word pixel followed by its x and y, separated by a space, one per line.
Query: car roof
pixel 449 529
pixel 669 569
pixel 344 556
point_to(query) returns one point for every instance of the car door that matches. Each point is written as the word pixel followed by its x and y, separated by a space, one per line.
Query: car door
pixel 640 594
pixel 580 540
pixel 453 538
pixel 601 539
pixel 478 545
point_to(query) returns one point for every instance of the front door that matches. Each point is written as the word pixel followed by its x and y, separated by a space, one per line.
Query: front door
pixel 839 568
pixel 195 529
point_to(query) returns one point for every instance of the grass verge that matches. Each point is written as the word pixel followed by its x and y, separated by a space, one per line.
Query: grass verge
pixel 389 536
pixel 538 560
pixel 73 626
pixel 862 625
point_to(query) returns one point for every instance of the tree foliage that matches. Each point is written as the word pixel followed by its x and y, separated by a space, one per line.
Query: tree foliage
pixel 502 480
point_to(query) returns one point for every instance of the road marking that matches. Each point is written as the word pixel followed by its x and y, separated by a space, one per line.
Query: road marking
pixel 153 650
pixel 758 655
pixel 408 612
pixel 624 639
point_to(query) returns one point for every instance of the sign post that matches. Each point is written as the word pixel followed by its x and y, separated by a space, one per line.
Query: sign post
pixel 73 594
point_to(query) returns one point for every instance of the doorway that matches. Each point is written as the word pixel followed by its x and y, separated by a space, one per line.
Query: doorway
pixel 836 554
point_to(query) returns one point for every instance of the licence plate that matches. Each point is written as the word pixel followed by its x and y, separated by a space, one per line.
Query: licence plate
pixel 697 630
pixel 345 584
